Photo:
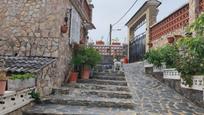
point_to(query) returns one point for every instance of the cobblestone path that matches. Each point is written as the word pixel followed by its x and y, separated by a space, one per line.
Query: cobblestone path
pixel 105 94
pixel 152 97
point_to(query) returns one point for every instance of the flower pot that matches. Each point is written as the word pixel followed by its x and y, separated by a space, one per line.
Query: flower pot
pixel 73 77
pixel 2 86
pixel 64 28
pixel 86 73
pixel 150 45
pixel 170 39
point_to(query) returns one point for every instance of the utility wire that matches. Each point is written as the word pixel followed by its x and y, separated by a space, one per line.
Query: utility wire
pixel 126 13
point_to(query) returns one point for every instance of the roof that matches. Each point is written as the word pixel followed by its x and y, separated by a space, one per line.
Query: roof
pixel 140 9
pixel 25 64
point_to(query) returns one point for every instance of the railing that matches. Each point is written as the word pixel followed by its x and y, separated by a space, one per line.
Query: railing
pixel 198 83
pixel 176 20
pixel 171 74
pixel 12 100
pixel 201 5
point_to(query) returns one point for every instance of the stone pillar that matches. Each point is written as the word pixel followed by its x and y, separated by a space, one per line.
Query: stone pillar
pixel 130 36
pixel 193 10
pixel 151 17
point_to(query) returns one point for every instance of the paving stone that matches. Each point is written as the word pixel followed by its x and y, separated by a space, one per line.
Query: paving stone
pixel 156 97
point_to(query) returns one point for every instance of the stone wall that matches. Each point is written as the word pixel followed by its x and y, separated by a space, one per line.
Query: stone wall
pixel 32 28
pixel 47 79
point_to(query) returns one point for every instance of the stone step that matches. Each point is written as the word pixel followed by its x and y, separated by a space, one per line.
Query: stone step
pixel 98 87
pixel 109 73
pixel 74 100
pixel 93 93
pixel 103 82
pixel 102 77
pixel 55 109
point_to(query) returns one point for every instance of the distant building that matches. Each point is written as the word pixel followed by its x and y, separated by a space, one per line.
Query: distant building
pixel 116 49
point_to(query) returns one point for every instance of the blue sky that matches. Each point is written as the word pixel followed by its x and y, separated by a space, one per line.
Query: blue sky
pixel 107 12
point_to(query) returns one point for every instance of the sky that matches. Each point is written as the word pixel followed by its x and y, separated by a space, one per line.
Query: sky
pixel 107 12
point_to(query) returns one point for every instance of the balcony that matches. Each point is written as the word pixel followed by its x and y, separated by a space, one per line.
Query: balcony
pixel 85 11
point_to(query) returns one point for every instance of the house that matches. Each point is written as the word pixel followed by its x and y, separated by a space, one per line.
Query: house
pixel 44 32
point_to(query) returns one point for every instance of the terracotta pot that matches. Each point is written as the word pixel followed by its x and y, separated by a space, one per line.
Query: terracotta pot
pixel 2 86
pixel 150 45
pixel 64 28
pixel 125 60
pixel 170 39
pixel 86 73
pixel 73 77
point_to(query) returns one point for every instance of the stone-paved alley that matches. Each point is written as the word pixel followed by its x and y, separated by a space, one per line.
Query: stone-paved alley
pixel 114 94
pixel 152 97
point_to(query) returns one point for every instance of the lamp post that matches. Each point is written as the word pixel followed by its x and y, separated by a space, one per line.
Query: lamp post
pixel 110 35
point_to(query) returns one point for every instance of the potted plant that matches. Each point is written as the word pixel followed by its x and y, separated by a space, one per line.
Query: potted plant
pixel 76 61
pixel 20 81
pixel 91 58
pixel 3 80
pixel 150 44
pixel 64 28
pixel 170 39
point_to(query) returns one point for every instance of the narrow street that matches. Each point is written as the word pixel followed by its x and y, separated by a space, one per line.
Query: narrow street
pixel 152 97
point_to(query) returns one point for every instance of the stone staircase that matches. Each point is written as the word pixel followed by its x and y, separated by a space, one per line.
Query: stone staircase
pixel 104 94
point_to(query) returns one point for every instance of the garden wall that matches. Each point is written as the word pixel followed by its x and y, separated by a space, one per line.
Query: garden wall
pixel 195 96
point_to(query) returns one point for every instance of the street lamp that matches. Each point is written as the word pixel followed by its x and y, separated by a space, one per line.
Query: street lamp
pixel 110 33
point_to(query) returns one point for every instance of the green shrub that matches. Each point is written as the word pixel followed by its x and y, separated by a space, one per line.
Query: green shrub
pixel 169 55
pixel 154 57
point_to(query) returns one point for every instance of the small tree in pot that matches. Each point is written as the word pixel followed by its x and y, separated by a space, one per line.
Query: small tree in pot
pixel 77 60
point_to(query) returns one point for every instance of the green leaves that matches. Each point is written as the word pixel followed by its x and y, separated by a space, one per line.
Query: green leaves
pixel 21 76
pixel 86 56
pixel 197 26
pixel 169 54
pixel 154 57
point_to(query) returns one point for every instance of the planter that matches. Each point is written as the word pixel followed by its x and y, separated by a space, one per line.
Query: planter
pixel 86 73
pixel 150 45
pixel 125 60
pixel 198 83
pixel 170 39
pixel 64 28
pixel 171 73
pixel 2 86
pixel 73 77
pixel 18 84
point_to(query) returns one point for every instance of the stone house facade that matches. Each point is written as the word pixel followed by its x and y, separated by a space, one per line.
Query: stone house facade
pixel 32 28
